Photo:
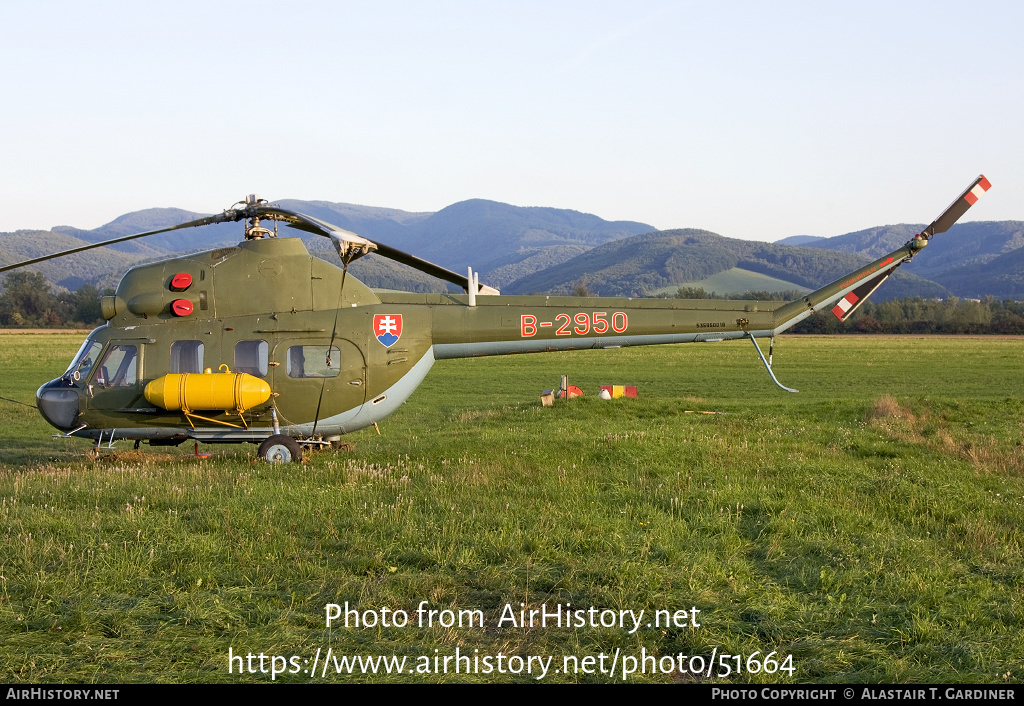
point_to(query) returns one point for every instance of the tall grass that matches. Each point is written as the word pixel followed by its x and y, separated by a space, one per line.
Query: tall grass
pixel 870 525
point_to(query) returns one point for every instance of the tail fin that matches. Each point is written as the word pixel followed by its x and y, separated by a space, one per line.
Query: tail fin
pixel 849 292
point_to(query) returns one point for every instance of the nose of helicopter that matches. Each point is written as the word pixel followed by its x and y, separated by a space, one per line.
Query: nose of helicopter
pixel 58 403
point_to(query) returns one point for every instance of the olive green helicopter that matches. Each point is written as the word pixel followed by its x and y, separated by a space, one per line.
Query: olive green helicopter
pixel 264 343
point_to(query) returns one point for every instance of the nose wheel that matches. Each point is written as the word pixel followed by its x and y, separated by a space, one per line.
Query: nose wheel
pixel 280 449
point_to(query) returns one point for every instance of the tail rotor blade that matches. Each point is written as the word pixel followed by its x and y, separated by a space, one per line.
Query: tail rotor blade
pixel 958 208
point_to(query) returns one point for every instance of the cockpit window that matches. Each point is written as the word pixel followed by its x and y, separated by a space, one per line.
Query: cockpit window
pixel 84 360
pixel 118 368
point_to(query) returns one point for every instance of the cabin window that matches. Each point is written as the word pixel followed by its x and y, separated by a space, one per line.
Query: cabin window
pixel 251 357
pixel 313 362
pixel 187 357
pixel 119 367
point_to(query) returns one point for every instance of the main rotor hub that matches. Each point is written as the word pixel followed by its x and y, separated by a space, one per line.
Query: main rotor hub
pixel 254 231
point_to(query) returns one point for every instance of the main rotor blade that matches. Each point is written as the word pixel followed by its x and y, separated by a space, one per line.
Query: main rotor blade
pixel 219 218
pixel 423 266
pixel 314 225
pixel 958 208
pixel 350 246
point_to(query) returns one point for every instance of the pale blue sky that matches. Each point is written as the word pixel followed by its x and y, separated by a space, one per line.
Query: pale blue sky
pixel 755 120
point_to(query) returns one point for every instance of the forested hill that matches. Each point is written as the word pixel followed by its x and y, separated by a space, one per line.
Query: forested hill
pixel 499 240
pixel 643 264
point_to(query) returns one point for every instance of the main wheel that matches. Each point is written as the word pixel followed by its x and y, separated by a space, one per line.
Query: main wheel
pixel 280 449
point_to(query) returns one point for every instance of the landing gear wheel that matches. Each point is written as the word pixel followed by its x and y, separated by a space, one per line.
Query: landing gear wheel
pixel 280 449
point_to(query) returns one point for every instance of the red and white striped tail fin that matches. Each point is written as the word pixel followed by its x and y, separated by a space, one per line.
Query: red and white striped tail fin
pixel 976 191
pixel 845 307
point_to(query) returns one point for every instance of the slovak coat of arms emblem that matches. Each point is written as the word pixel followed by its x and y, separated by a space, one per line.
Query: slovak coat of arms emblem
pixel 387 328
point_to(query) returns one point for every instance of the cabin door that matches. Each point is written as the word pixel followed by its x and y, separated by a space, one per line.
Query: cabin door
pixel 116 381
pixel 314 372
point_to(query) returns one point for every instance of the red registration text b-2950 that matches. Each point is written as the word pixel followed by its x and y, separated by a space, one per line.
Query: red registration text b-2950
pixel 580 324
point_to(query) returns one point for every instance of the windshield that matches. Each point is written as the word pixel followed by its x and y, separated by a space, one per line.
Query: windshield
pixel 84 360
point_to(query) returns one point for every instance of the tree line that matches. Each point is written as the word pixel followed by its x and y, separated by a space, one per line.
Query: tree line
pixel 916 315
pixel 28 301
pixel 951 315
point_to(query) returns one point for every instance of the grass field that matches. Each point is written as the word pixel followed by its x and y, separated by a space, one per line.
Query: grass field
pixel 869 526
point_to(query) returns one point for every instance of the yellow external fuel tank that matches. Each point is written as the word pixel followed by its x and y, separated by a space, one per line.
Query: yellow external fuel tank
pixel 207 391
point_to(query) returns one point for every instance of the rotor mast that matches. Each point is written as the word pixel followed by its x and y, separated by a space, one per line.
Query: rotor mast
pixel 253 229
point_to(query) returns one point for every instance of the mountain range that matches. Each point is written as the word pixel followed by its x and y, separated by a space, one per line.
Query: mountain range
pixel 549 250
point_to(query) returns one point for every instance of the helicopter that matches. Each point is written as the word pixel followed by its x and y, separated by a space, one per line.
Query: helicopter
pixel 263 343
